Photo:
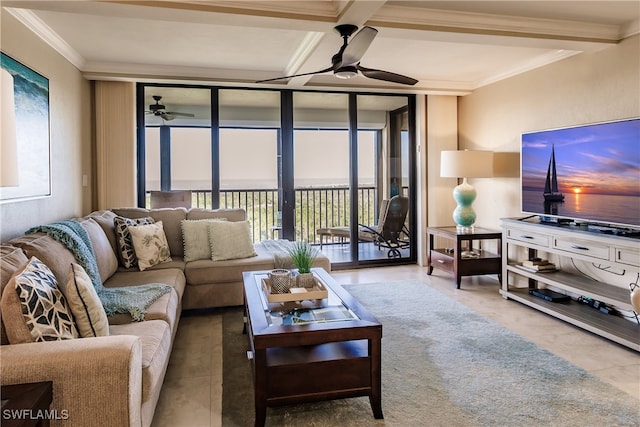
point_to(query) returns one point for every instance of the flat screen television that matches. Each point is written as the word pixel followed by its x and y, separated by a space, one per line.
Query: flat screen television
pixel 589 174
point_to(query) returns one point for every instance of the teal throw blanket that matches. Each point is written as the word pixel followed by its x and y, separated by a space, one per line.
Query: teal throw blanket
pixel 131 299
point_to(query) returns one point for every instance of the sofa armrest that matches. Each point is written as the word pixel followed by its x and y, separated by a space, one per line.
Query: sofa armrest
pixel 93 378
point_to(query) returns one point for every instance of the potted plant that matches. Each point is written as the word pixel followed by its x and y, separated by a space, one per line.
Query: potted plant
pixel 302 256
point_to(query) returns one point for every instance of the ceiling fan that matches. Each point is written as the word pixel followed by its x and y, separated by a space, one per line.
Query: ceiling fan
pixel 159 110
pixel 346 63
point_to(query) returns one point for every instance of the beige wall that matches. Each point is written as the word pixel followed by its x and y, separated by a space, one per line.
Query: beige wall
pixel 442 122
pixel 586 88
pixel 70 130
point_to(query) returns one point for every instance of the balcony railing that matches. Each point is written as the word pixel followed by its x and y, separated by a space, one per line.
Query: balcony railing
pixel 316 207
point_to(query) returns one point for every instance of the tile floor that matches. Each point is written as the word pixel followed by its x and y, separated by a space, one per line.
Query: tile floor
pixel 191 395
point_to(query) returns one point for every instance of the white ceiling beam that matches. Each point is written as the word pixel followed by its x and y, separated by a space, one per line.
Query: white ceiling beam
pixel 449 21
pixel 351 12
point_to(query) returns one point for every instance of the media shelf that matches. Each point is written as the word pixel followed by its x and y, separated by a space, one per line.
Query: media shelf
pixel 528 239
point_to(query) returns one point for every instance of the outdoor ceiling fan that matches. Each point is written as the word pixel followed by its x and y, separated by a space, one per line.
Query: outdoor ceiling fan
pixel 159 110
pixel 346 63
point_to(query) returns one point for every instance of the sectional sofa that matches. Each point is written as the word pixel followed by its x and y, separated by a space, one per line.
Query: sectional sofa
pixel 115 380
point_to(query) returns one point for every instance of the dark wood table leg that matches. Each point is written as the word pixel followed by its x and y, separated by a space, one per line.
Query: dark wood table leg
pixel 375 398
pixel 260 385
pixel 429 248
pixel 457 259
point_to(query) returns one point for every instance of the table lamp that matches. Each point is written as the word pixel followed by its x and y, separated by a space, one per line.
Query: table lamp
pixel 465 164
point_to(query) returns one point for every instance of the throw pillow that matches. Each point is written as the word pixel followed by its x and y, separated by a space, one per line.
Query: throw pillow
pixel 230 240
pixel 105 256
pixel 195 236
pixel 14 327
pixel 44 308
pixel 126 252
pixel 85 305
pixel 150 245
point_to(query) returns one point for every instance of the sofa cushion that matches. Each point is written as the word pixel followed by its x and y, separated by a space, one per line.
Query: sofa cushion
pixel 170 217
pixel 173 277
pixel 230 240
pixel 51 252
pixel 166 308
pixel 105 256
pixel 195 234
pixel 150 244
pixel 206 272
pixel 126 251
pixel 84 303
pixel 12 260
pixel 155 337
pixel 14 327
pixel 235 214
pixel 175 262
pixel 105 220
pixel 43 306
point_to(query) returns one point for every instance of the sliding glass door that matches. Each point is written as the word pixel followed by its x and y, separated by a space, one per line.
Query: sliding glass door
pixel 249 159
pixel 312 166
pixel 384 179
pixel 321 170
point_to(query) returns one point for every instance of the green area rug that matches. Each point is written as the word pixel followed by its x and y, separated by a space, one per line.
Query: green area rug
pixel 443 364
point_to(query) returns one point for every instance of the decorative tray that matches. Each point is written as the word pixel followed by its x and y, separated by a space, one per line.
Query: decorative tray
pixel 295 294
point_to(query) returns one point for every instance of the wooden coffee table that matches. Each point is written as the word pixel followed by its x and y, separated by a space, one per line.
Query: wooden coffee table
pixel 26 405
pixel 311 350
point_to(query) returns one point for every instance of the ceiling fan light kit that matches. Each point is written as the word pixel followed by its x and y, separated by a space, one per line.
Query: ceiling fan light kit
pixel 159 110
pixel 346 63
pixel 346 72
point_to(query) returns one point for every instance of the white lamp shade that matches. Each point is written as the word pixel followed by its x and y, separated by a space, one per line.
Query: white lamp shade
pixel 466 164
pixel 8 143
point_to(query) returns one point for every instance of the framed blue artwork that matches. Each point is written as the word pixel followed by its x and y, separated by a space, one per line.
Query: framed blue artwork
pixel 25 142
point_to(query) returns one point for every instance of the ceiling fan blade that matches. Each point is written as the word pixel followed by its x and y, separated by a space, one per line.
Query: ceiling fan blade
pixel 386 76
pixel 174 113
pixel 358 45
pixel 296 75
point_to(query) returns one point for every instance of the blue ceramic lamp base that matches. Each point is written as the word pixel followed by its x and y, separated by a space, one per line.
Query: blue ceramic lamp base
pixel 464 215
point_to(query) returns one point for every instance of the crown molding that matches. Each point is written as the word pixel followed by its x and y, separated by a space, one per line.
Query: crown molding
pixel 42 30
pixel 630 29
pixel 537 62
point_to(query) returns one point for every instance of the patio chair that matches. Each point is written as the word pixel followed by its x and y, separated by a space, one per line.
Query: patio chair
pixel 391 232
pixel 343 233
pixel 171 199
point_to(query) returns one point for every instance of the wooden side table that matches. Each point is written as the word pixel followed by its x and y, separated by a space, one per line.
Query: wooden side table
pixel 461 258
pixel 27 405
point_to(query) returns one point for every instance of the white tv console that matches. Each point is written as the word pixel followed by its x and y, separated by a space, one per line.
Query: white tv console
pixel 568 247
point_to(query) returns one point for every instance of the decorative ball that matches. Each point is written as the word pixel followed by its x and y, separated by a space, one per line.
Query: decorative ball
pixel 464 216
pixel 635 299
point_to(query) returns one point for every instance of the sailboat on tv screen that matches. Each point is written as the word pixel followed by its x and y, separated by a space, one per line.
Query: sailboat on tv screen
pixel 551 193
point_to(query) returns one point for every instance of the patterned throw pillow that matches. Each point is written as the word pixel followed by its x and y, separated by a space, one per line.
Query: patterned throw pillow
pixel 230 240
pixel 126 252
pixel 87 309
pixel 150 245
pixel 195 236
pixel 44 308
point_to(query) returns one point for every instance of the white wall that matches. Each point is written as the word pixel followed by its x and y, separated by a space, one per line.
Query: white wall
pixel 70 134
pixel 586 88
